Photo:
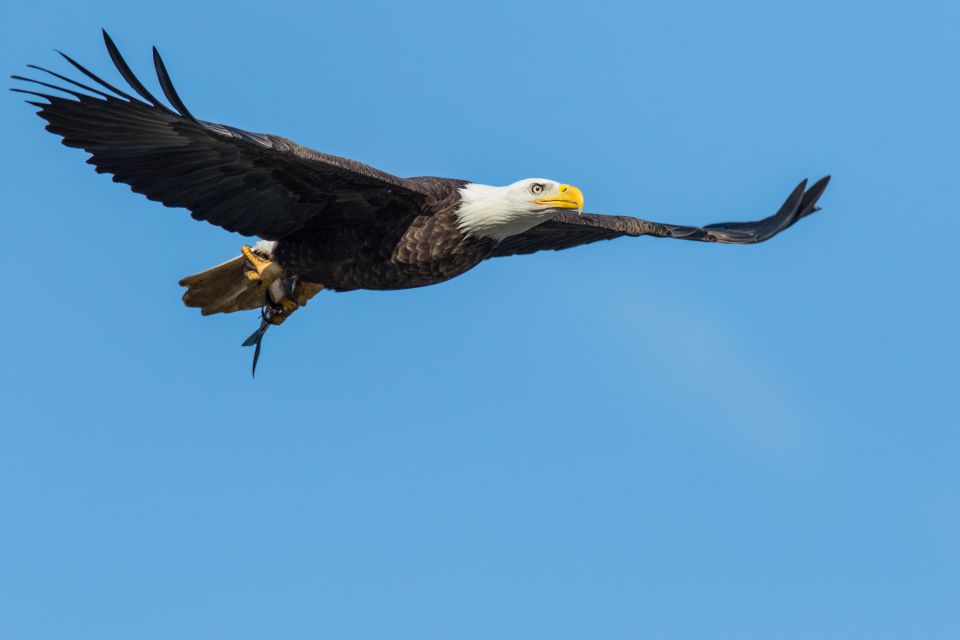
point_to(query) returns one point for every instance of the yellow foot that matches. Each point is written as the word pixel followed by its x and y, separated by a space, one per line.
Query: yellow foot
pixel 257 264
pixel 281 311
pixel 278 312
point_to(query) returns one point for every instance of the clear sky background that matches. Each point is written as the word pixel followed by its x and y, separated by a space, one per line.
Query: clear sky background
pixel 637 439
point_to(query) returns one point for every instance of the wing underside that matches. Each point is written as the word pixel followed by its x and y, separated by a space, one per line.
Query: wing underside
pixel 254 184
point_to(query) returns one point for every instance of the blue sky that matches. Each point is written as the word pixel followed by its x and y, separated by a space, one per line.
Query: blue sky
pixel 643 438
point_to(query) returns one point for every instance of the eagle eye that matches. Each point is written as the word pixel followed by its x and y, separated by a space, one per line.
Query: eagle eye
pixel 536 189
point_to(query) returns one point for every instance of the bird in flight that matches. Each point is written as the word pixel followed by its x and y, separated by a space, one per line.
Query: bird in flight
pixel 326 222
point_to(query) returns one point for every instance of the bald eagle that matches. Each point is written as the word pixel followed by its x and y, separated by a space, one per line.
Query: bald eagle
pixel 326 222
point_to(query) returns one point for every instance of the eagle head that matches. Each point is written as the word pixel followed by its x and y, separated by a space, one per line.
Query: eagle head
pixel 500 212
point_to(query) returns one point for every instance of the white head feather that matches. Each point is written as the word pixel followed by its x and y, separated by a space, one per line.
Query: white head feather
pixel 500 212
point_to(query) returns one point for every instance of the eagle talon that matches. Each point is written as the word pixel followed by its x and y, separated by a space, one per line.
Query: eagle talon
pixel 257 263
pixel 278 312
pixel 273 315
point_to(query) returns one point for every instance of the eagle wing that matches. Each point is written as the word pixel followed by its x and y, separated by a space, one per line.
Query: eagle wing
pixel 571 230
pixel 251 183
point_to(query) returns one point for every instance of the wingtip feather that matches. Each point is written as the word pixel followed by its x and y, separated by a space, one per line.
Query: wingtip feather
pixel 812 195
pixel 130 76
pixel 79 67
pixel 166 84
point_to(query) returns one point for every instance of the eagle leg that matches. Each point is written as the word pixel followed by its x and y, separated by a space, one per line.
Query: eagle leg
pixel 257 263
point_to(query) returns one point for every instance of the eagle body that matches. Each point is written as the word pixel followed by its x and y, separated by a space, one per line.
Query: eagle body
pixel 327 222
pixel 425 246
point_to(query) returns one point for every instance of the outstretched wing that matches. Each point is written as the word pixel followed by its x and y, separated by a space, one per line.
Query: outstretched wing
pixel 571 230
pixel 252 183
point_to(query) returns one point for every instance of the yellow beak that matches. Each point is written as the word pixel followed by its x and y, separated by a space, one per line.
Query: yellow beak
pixel 566 197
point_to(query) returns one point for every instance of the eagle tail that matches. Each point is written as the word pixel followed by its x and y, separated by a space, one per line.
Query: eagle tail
pixel 225 288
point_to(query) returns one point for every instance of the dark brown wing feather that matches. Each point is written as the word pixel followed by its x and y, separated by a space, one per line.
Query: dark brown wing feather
pixel 251 183
pixel 571 230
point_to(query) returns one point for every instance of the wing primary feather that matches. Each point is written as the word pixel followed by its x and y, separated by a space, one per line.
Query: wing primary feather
pixel 167 85
pixel 809 203
pixel 73 82
pixel 95 77
pixel 46 96
pixel 76 94
pixel 792 203
pixel 129 76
